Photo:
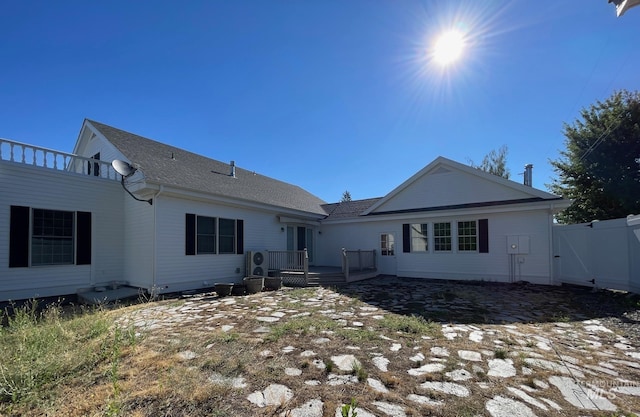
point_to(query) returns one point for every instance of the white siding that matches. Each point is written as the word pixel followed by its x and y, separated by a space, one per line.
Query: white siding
pixel 449 188
pixel 138 242
pixel 492 266
pixel 24 185
pixel 89 146
pixel 176 271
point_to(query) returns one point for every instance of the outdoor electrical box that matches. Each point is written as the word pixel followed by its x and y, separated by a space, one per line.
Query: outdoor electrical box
pixel 518 245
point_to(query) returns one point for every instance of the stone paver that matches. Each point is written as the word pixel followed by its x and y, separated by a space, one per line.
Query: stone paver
pixel 506 407
pixel 580 396
pixel 313 408
pixel 502 368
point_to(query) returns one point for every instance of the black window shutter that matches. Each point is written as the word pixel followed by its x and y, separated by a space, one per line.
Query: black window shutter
pixel 19 237
pixel 83 243
pixel 239 236
pixel 483 235
pixel 190 234
pixel 406 238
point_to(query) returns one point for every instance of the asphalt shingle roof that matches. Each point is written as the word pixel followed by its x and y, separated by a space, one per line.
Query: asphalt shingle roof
pixel 347 209
pixel 195 172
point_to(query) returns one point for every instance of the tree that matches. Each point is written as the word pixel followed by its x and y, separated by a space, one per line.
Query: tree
pixel 346 196
pixel 495 162
pixel 598 170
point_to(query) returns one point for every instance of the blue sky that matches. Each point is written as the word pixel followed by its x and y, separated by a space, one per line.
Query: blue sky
pixel 329 95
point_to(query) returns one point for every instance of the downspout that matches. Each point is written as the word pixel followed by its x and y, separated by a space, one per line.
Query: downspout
pixel 552 260
pixel 154 255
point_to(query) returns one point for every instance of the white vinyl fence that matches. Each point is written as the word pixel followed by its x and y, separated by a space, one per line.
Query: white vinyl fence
pixel 603 254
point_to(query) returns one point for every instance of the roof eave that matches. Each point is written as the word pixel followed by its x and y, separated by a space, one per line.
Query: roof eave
pixel 552 205
pixel 155 186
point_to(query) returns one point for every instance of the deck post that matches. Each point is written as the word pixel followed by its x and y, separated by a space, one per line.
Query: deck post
pixel 375 261
pixel 306 267
pixel 345 264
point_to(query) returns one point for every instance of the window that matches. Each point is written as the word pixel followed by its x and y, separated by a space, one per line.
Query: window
pixel 467 236
pixel 212 235
pixel 442 237
pixel 387 244
pixel 206 235
pixel 227 235
pixel 419 238
pixel 52 237
pixel 39 237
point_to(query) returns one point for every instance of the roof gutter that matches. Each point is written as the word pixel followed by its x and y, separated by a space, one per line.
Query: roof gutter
pixel 230 201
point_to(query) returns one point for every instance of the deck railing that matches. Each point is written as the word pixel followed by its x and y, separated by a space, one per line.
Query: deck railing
pixel 37 156
pixel 288 260
pixel 357 260
pixel 295 264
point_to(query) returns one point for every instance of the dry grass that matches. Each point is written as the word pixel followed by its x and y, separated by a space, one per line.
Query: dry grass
pixel 89 366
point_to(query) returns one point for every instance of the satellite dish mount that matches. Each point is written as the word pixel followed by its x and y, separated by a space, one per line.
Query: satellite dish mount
pixel 126 170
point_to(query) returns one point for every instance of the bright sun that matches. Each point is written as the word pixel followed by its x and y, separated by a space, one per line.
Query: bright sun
pixel 448 47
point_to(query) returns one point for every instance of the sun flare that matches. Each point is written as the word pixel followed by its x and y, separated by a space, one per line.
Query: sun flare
pixel 449 47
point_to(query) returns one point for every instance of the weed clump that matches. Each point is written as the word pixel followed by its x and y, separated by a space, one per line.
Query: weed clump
pixel 413 325
pixel 41 347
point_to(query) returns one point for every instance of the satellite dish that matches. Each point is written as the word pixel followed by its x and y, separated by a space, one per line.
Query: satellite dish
pixel 623 5
pixel 126 170
pixel 123 168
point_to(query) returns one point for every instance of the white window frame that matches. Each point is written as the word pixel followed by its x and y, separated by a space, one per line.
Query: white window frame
pixel 467 242
pixel 438 239
pixel 419 235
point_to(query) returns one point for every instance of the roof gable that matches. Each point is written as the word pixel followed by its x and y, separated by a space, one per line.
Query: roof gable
pixel 446 183
pixel 171 166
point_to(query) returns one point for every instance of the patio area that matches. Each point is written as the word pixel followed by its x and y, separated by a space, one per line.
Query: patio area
pixel 489 349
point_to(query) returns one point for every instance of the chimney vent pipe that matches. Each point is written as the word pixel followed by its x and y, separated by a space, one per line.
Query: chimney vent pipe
pixel 233 169
pixel 528 175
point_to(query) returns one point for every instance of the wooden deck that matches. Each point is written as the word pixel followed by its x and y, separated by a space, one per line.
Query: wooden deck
pixel 323 276
pixel 294 268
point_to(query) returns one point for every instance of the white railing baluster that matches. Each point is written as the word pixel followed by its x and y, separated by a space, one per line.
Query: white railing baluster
pixel 61 161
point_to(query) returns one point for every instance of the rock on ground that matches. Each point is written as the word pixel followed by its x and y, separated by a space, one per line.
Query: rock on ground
pixel 313 408
pixel 274 394
pixel 581 396
pixel 500 406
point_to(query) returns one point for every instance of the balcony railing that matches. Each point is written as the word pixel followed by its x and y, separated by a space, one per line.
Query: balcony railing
pixel 37 156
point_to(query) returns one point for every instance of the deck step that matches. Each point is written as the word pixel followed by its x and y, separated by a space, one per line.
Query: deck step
pixel 327 280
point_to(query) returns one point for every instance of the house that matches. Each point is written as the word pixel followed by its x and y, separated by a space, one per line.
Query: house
pixel 69 225
pixel 452 221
